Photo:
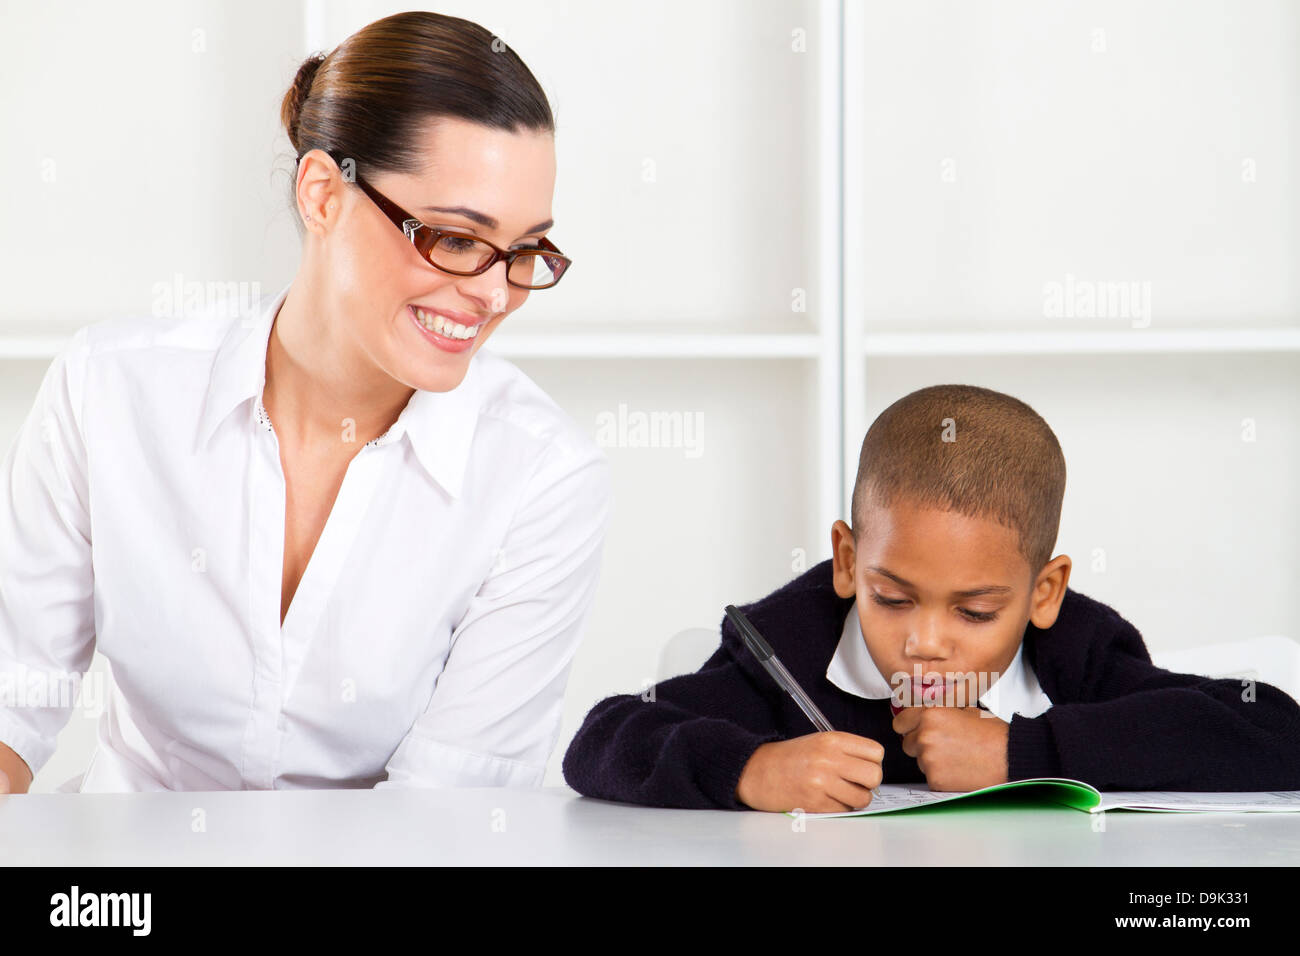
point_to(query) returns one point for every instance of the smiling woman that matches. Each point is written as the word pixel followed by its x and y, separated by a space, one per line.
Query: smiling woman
pixel 334 544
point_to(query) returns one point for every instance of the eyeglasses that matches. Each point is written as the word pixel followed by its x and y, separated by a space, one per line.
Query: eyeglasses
pixel 462 254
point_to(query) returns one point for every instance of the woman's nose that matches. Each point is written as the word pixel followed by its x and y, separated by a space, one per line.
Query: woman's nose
pixel 489 289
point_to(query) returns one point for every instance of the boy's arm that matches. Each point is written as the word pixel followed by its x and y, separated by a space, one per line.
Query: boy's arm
pixel 682 743
pixel 1140 727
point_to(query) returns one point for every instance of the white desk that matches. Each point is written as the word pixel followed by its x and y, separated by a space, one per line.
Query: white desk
pixel 555 826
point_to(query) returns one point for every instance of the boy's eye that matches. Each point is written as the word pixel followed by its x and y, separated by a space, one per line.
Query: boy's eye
pixel 979 616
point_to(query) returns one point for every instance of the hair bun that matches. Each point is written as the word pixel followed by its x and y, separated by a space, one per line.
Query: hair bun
pixel 291 107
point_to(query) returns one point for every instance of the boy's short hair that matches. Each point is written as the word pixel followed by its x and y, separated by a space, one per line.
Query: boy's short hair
pixel 971 450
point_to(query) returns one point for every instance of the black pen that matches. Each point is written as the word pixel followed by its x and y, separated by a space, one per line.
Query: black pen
pixel 772 664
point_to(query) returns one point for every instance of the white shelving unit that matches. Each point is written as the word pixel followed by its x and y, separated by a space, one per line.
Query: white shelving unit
pixel 989 159
pixel 834 336
pixel 836 344
pixel 1081 343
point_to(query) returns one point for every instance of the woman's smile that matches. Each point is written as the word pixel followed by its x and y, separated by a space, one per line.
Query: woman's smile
pixel 443 332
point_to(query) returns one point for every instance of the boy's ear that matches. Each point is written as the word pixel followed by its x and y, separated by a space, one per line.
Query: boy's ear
pixel 842 558
pixel 1049 592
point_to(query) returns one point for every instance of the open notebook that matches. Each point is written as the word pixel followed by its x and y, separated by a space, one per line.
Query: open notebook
pixel 1075 793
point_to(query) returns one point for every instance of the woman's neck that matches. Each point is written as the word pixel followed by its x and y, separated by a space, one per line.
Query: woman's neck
pixel 317 378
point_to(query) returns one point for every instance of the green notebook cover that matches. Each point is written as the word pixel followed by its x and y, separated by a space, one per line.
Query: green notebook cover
pixel 893 798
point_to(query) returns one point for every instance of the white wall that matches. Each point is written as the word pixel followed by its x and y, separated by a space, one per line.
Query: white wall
pixel 1111 140
pixel 1007 148
pixel 1124 164
pixel 155 128
pixel 1169 516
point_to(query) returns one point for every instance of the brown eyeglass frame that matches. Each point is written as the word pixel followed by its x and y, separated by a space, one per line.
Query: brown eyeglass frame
pixel 411 228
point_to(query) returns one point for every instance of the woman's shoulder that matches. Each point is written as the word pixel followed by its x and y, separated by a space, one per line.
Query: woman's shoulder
pixel 124 334
pixel 524 432
pixel 138 352
pixel 509 399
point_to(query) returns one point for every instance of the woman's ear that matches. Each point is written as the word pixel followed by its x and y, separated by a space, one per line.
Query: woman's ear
pixel 842 559
pixel 1049 592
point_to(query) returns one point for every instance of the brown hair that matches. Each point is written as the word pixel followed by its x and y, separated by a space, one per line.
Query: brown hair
pixel 971 450
pixel 369 99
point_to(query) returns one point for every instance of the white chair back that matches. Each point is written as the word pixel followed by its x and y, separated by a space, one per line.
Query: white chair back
pixel 686 651
pixel 1271 659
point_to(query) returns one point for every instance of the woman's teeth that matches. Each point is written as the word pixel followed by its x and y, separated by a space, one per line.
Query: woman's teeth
pixel 435 322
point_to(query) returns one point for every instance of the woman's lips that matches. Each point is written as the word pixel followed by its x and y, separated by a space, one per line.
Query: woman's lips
pixel 444 342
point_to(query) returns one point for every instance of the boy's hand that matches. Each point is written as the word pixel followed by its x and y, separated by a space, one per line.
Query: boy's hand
pixel 819 773
pixel 957 748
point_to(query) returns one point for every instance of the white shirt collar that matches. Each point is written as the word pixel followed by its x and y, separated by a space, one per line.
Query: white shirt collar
pixel 440 425
pixel 1016 691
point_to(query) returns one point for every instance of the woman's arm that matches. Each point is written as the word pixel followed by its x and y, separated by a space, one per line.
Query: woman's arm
pixel 495 712
pixel 47 618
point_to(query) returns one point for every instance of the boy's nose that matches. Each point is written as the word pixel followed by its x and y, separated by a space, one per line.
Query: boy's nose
pixel 927 641
pixel 926 645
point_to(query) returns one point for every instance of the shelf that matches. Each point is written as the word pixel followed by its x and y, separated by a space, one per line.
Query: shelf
pixel 656 345
pixel 522 337
pixel 43 339
pixel 35 339
pixel 1132 341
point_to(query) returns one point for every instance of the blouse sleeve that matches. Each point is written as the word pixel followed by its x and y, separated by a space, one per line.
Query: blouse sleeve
pixel 495 713
pixel 47 627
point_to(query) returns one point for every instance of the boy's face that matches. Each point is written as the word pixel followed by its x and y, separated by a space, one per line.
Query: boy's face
pixel 941 596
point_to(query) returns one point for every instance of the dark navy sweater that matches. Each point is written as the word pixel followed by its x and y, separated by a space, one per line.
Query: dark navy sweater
pixel 1117 721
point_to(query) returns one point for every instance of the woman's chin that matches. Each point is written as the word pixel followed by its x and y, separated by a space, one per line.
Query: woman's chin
pixel 440 380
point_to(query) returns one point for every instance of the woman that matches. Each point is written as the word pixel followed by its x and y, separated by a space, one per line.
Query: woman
pixel 433 521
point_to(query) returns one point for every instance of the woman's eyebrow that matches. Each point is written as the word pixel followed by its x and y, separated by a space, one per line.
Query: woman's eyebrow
pixel 482 219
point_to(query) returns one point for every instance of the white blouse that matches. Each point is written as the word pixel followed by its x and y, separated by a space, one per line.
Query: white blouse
pixel 428 643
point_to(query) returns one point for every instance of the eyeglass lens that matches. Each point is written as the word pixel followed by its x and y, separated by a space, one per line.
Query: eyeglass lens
pixel 459 254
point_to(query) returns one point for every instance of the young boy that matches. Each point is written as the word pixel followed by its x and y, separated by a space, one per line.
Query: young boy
pixel 943 593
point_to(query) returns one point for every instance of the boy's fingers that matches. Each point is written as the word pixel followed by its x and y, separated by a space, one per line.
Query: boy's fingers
pixel 909 745
pixel 862 773
pixel 853 796
pixel 906 720
pixel 863 747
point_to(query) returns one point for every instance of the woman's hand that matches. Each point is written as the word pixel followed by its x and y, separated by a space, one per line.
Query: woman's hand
pixel 15 777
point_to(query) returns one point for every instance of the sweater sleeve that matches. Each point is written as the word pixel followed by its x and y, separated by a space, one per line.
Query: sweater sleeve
pixel 682 743
pixel 1136 726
